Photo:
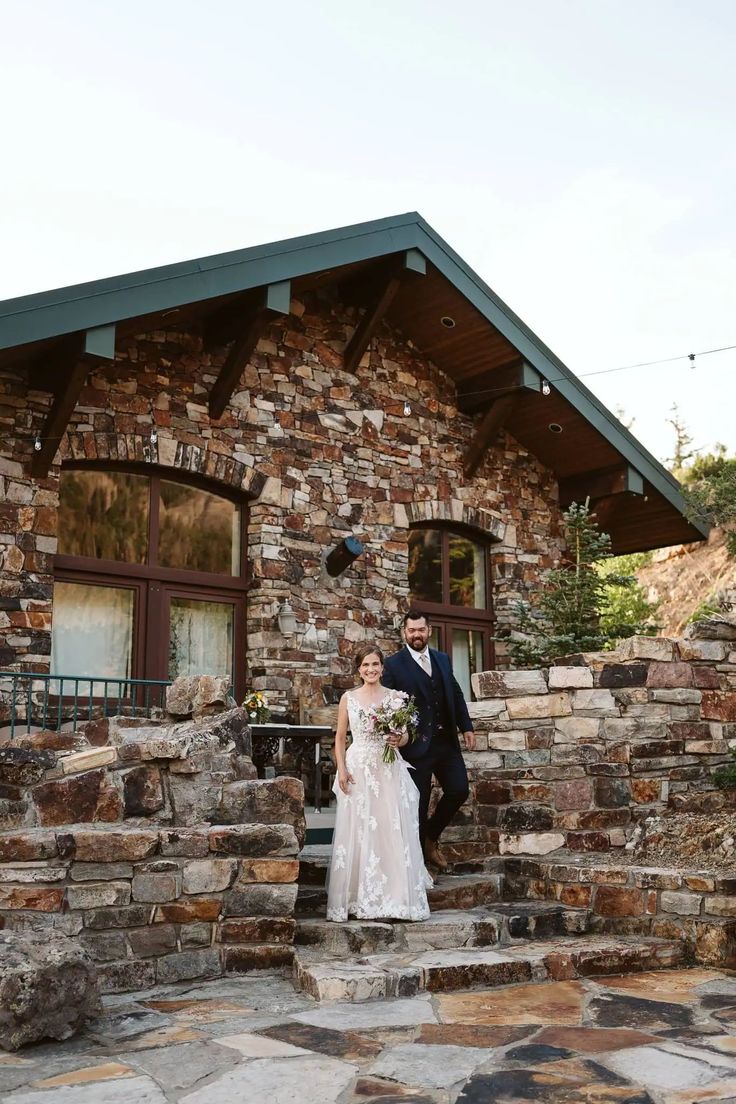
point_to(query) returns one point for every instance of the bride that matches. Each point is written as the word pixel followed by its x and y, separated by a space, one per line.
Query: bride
pixel 377 869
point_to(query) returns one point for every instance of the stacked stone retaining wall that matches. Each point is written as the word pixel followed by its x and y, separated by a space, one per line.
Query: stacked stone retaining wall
pixel 696 906
pixel 572 758
pixel 154 844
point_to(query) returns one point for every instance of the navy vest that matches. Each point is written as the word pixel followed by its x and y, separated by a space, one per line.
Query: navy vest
pixel 441 724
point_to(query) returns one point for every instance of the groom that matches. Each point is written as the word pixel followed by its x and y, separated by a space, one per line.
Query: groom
pixel 427 674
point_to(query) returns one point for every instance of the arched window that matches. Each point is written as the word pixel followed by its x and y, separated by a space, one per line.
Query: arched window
pixel 148 577
pixel 450 578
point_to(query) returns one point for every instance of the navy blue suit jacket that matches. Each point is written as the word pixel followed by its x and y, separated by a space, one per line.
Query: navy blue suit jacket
pixel 402 672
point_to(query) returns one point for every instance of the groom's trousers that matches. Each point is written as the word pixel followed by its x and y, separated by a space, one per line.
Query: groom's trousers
pixel 444 760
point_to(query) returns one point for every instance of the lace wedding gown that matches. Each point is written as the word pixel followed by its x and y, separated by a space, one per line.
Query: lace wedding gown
pixel 377 868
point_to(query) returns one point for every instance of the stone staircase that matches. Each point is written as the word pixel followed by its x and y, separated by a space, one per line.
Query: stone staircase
pixel 473 939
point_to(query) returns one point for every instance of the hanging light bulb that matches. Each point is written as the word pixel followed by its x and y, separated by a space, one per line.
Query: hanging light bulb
pixel 37 443
pixel 407 408
pixel 691 358
pixel 546 387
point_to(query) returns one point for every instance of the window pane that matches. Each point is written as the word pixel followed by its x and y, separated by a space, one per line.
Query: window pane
pixel 467 573
pixel 425 565
pixel 467 657
pixel 104 514
pixel 200 638
pixel 198 531
pixel 92 631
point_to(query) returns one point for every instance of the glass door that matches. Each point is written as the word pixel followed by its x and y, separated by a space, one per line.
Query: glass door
pixel 467 656
pixel 203 635
pixel 468 648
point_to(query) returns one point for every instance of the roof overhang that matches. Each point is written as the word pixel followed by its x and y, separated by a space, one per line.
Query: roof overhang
pixel 487 346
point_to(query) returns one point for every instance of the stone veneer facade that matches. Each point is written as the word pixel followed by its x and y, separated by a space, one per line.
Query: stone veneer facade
pixel 323 454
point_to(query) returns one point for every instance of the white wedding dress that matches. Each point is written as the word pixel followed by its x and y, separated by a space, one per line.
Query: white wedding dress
pixel 377 869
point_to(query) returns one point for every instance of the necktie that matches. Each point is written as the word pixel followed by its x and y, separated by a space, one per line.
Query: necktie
pixel 424 660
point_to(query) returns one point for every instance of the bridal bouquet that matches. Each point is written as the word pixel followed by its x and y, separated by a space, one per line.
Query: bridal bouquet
pixel 396 716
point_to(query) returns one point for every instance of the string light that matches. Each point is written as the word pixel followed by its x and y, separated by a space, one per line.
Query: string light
pixel 608 371
pixel 546 383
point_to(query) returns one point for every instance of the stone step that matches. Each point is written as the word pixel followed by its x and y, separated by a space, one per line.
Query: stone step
pixel 465 891
pixel 446 929
pixel 388 974
pixel 311 901
pixel 314 862
pixel 450 891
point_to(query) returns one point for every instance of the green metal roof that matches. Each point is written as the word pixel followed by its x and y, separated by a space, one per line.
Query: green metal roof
pixel 32 318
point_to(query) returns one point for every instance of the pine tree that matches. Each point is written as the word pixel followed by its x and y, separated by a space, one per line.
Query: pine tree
pixel 710 493
pixel 565 616
pixel 683 441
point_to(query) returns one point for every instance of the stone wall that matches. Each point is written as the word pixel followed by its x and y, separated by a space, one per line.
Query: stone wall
pixel 323 453
pixel 695 906
pixel 154 844
pixel 572 758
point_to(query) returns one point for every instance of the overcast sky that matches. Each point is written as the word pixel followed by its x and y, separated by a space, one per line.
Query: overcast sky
pixel 579 154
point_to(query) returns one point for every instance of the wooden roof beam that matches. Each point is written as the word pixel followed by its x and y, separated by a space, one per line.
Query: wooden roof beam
pixel 516 376
pixel 410 263
pixel 95 346
pixel 604 483
pixel 511 381
pixel 261 308
pixel 489 428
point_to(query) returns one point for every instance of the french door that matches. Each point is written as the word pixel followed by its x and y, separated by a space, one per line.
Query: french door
pixel 147 629
pixel 468 646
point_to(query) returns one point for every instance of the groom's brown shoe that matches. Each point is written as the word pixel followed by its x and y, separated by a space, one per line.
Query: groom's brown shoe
pixel 433 855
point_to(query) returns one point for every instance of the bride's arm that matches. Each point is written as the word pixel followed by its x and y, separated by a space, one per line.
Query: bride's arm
pixel 344 777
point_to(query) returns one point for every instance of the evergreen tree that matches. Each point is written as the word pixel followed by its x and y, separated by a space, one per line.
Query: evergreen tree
pixel 566 615
pixel 683 441
pixel 626 610
pixel 710 493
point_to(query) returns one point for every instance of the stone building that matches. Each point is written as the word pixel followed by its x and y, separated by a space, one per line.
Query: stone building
pixel 182 448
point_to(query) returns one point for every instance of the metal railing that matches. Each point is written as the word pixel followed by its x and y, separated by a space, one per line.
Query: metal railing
pixel 31 699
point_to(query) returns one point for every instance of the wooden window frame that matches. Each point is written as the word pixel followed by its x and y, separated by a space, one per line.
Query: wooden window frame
pixel 445 614
pixel 154 583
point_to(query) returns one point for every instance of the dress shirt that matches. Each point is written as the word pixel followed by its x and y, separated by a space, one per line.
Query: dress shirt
pixel 422 659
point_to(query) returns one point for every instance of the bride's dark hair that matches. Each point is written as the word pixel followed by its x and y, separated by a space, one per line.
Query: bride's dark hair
pixel 364 651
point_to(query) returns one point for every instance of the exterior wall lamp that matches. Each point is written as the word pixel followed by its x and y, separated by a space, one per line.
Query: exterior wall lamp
pixel 286 619
pixel 341 557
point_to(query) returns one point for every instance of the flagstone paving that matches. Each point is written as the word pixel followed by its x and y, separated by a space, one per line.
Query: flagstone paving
pixel 658 1037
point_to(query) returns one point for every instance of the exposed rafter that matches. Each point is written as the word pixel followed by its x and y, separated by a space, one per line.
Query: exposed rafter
pixel 479 391
pixel 265 304
pixel 485 434
pixel 89 349
pixel 409 263
pixel 510 383
pixel 595 485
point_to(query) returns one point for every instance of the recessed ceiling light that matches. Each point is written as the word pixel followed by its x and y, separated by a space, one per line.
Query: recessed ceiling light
pixel 554 427
pixel 447 322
